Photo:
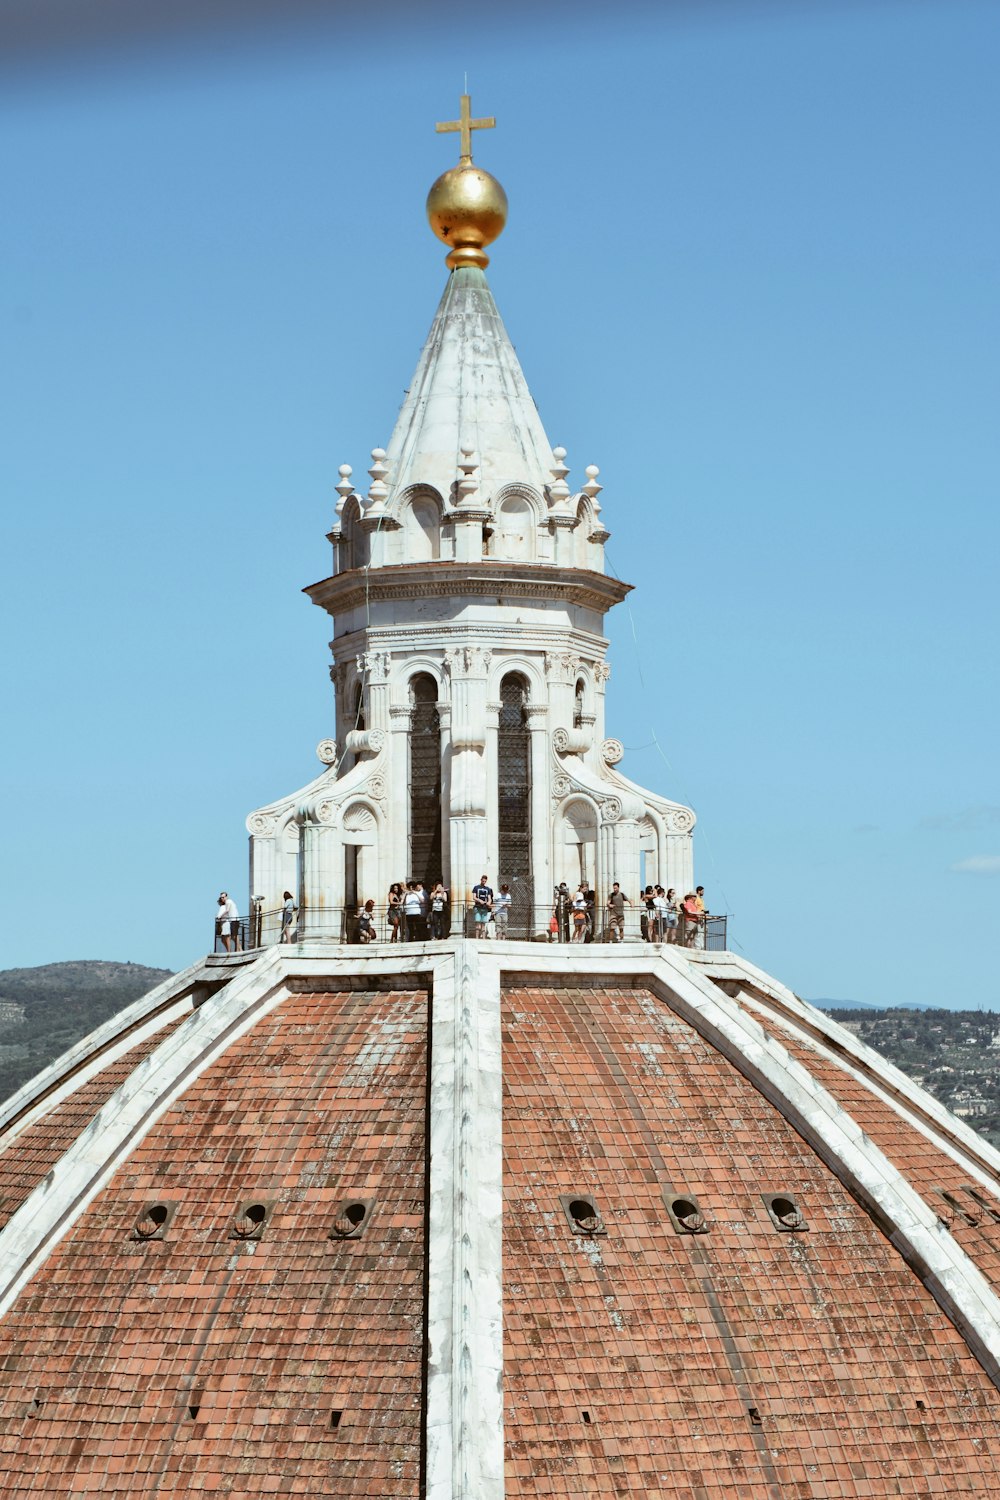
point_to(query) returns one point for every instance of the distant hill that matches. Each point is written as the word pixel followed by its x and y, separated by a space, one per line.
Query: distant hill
pixel 45 1010
pixel 954 1054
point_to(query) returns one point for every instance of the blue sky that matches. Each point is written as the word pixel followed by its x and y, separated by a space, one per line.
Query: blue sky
pixel 751 271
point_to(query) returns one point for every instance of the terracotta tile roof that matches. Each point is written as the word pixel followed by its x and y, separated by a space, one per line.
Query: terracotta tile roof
pixel 27 1157
pixel 743 1361
pixel 917 1154
pixel 204 1362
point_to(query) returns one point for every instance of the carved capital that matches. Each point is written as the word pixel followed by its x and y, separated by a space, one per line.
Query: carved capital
pixel 680 820
pixel 374 665
pixel 262 825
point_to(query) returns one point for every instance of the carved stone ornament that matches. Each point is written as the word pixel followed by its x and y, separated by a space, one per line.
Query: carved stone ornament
pixel 560 786
pixel 681 820
pixel 375 664
pixel 602 671
pixel 560 740
pixel 561 663
pixel 326 812
pixel 359 819
pixel 468 661
pixel 327 752
pixel 376 740
pixel 376 788
pixel 612 752
pixel 611 810
pixel 261 824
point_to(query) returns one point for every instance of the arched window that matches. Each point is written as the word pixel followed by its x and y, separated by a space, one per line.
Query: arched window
pixel 425 781
pixel 578 704
pixel 358 709
pixel 514 801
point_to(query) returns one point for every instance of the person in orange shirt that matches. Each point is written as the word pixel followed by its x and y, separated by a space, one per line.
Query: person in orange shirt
pixel 690 915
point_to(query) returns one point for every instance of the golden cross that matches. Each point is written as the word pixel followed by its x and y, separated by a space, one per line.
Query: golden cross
pixel 466 125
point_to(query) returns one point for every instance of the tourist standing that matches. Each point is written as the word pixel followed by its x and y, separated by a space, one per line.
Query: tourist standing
pixel 413 913
pixel 580 916
pixel 227 923
pixel 287 917
pixel 617 903
pixel 394 910
pixel 501 909
pixel 439 910
pixel 482 906
pixel 671 915
pixel 689 919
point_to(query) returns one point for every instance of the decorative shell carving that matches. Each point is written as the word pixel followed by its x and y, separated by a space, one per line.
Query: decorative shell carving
pixel 327 752
pixel 611 810
pixel 612 752
pixel 261 824
pixel 359 819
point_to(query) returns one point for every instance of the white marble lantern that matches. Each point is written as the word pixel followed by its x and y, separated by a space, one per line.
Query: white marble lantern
pixel 467 595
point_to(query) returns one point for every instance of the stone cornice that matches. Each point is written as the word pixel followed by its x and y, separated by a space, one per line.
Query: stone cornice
pixel 486 579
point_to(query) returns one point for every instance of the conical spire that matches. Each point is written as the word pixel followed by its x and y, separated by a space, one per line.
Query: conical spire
pixel 468 391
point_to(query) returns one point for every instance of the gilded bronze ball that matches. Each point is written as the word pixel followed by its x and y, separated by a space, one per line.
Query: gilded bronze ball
pixel 467 209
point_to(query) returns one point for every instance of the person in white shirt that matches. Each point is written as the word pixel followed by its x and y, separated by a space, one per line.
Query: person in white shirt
pixel 580 916
pixel 501 909
pixel 413 912
pixel 227 923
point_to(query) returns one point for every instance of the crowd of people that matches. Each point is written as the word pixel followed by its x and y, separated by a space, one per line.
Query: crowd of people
pixel 415 912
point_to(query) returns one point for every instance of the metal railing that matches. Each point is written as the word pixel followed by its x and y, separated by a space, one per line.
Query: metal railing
pixel 541 924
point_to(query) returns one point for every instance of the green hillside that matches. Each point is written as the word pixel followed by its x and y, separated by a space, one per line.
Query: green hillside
pixel 954 1054
pixel 45 1010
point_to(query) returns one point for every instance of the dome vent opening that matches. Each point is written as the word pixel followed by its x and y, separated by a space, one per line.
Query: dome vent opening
pixel 784 1212
pixel 984 1204
pixel 685 1212
pixel 154 1221
pixel 352 1218
pixel 252 1219
pixel 582 1213
pixel 336 1417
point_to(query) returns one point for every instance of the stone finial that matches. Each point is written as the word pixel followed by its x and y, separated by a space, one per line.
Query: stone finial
pixel 592 489
pixel 345 488
pixel 468 465
pixel 379 489
pixel 559 489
